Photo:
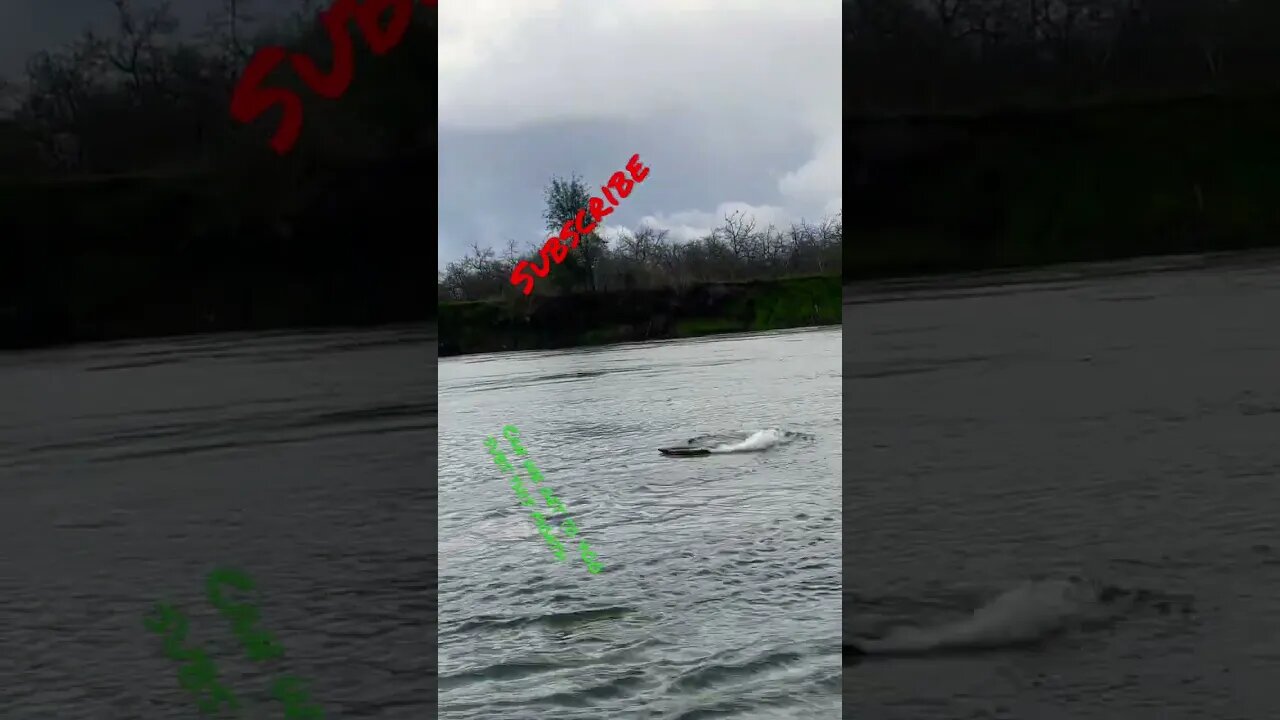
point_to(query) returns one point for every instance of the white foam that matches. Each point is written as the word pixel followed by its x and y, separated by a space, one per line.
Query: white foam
pixel 1026 613
pixel 759 440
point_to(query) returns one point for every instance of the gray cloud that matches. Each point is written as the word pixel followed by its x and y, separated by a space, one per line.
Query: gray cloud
pixel 732 105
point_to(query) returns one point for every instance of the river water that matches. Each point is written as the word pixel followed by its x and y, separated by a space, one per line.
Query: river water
pixel 1118 422
pixel 128 471
pixel 719 595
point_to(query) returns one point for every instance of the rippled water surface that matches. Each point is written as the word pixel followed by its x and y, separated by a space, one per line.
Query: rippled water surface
pixel 1125 428
pixel 720 592
pixel 128 471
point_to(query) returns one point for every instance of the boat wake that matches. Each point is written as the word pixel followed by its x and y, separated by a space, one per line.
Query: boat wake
pixel 720 444
pixel 1028 614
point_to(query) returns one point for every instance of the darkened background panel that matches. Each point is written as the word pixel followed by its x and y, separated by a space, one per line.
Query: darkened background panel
pixel 982 135
pixel 1059 397
pixel 216 357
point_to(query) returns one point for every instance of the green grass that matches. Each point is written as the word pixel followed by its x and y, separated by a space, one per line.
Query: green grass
pixel 569 320
pixel 698 327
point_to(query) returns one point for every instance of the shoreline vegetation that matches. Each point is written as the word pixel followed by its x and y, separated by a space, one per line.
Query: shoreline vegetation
pixel 983 136
pixel 639 285
pixel 1018 189
pixel 562 321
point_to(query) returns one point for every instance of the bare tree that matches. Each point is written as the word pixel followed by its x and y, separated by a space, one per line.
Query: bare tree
pixel 645 258
pixel 136 51
pixel 225 31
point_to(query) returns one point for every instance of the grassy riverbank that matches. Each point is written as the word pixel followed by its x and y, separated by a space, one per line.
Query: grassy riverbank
pixel 963 193
pixel 542 321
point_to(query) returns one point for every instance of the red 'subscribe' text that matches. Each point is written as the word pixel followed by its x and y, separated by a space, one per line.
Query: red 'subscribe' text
pixel 251 99
pixel 555 249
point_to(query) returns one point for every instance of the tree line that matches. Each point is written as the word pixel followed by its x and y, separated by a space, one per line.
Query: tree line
pixel 946 55
pixel 739 249
pixel 1001 133
pixel 146 97
pixel 134 205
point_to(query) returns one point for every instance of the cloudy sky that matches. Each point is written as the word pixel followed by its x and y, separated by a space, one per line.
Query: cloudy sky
pixel 733 105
